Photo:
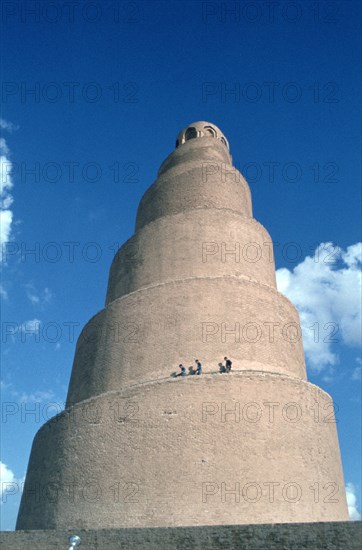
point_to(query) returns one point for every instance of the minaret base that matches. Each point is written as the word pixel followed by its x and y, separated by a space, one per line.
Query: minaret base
pixel 262 449
pixel 341 535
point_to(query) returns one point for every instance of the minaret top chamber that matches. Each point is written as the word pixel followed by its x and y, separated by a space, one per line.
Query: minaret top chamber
pixel 199 130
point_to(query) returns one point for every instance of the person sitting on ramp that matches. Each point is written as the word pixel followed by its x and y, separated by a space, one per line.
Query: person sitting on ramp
pixel 228 364
pixel 183 370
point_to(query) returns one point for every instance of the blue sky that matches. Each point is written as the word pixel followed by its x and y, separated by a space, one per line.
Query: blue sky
pixel 92 100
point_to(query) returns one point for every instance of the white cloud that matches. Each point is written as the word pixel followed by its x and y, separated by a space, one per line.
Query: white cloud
pixel 6 184
pixel 6 475
pixel 31 326
pixel 4 149
pixel 3 293
pixel 34 298
pixel 6 218
pixel 47 294
pixel 37 396
pixel 325 289
pixel 6 125
pixel 357 373
pixel 38 298
pixel 352 501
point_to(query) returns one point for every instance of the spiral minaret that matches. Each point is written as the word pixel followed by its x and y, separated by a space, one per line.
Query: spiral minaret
pixel 138 446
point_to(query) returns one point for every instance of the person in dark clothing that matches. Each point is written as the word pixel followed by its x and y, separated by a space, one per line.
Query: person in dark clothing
pixel 183 370
pixel 228 364
pixel 198 366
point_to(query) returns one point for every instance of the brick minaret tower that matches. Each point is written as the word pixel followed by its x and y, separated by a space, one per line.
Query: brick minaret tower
pixel 138 447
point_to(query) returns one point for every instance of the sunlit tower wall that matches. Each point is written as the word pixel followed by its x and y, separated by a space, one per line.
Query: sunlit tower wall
pixel 138 447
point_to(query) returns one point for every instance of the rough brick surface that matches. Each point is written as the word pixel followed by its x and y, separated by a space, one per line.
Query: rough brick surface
pixel 304 536
pixel 189 244
pixel 175 322
pixel 196 451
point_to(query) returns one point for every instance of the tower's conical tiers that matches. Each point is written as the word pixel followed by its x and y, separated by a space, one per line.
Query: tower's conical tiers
pixel 137 447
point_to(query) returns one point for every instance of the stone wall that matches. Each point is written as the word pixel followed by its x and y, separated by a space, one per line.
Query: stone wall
pixel 207 243
pixel 217 449
pixel 145 335
pixel 303 536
